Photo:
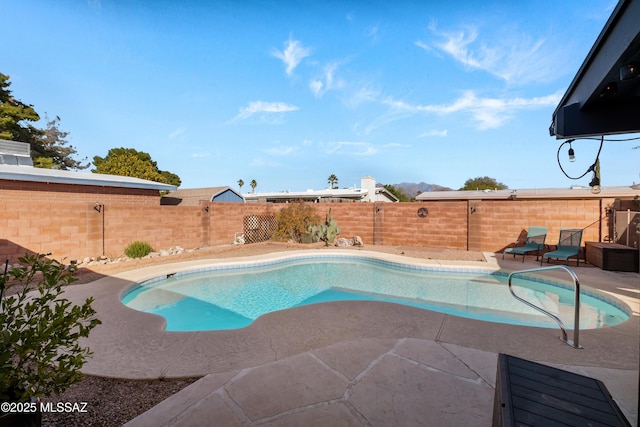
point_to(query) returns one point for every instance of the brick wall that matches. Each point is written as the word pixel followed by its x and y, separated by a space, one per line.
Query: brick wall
pixel 503 220
pixel 73 222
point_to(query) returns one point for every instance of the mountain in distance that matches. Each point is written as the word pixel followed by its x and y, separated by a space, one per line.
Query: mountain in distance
pixel 412 189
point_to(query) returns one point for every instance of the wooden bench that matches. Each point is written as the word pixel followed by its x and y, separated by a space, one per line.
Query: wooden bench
pixel 531 394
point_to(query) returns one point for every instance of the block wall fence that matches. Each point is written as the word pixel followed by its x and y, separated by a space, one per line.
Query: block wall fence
pixel 74 222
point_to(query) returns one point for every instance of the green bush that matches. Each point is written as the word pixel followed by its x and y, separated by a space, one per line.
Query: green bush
pixel 294 221
pixel 40 353
pixel 138 250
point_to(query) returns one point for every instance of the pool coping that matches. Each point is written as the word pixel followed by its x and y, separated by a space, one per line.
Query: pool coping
pixel 132 344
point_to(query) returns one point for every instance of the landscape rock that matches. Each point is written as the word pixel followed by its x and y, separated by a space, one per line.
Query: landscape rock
pixel 103 259
pixel 343 243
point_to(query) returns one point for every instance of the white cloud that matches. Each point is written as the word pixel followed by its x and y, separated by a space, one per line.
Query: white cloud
pixel 489 113
pixel 263 163
pixel 512 56
pixel 281 151
pixel 328 81
pixel 396 145
pixel 363 95
pixel 441 133
pixel 201 155
pixel 316 87
pixel 352 148
pixel 177 132
pixel 292 55
pixel 261 107
pixel 423 45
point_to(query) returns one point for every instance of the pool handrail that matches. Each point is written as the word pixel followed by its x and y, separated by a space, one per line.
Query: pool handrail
pixel 576 312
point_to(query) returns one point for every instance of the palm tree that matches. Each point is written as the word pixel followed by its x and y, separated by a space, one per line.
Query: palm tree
pixel 253 185
pixel 333 181
pixel 240 184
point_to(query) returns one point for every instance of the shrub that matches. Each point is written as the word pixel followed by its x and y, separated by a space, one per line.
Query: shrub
pixel 294 221
pixel 40 352
pixel 138 250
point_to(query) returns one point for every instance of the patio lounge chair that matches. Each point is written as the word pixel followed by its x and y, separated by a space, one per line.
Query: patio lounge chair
pixel 568 246
pixel 534 242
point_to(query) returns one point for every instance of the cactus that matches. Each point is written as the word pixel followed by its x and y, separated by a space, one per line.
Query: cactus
pixel 325 232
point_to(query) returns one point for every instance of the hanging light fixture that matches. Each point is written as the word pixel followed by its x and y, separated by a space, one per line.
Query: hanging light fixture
pixel 572 154
pixel 595 167
pixel 630 71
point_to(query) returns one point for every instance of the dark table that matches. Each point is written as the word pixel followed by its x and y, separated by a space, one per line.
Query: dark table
pixel 531 394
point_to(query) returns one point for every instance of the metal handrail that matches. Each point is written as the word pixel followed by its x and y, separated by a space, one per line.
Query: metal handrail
pixel 576 320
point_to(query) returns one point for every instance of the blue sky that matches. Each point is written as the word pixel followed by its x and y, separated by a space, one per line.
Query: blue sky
pixel 289 92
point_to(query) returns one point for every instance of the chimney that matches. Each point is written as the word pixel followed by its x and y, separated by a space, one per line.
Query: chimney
pixel 369 184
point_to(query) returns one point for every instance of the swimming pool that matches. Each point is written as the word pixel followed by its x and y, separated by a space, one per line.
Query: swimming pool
pixel 233 296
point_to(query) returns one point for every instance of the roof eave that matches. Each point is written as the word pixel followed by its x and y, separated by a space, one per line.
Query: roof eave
pixel 99 180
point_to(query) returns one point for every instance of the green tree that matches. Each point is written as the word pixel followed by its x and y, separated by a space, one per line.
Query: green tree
pixel 401 195
pixel 170 178
pixel 333 181
pixel 49 147
pixel 253 185
pixel 53 149
pixel 16 117
pixel 130 162
pixel 240 184
pixel 483 183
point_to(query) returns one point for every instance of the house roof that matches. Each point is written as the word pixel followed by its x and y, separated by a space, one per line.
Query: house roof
pixel 604 96
pixel 387 194
pixel 342 193
pixel 192 196
pixel 26 173
pixel 312 195
pixel 538 193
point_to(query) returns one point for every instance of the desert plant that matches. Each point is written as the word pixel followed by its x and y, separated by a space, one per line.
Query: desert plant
pixel 325 232
pixel 294 221
pixel 40 353
pixel 138 250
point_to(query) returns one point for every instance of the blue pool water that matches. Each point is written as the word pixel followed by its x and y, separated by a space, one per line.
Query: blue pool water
pixel 233 297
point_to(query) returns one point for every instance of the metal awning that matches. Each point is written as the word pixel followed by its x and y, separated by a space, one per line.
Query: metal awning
pixel 604 96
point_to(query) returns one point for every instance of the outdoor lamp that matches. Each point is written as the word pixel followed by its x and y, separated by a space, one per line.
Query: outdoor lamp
pixel 630 71
pixel 610 89
pixel 572 154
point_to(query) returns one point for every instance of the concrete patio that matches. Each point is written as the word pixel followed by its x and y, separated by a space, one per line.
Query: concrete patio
pixel 349 363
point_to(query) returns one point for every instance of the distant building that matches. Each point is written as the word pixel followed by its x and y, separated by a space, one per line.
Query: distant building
pixel 193 196
pixel 623 193
pixel 16 166
pixel 368 192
